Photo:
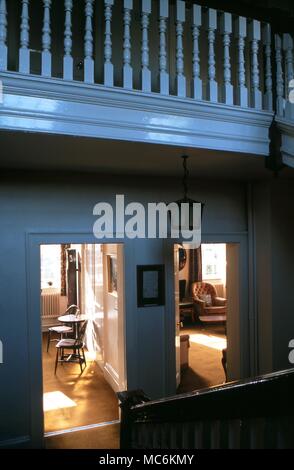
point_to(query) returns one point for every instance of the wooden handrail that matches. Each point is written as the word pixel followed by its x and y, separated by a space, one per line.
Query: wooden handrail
pixel 268 397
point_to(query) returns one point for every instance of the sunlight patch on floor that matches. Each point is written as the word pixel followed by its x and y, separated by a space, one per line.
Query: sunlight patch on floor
pixel 56 400
pixel 90 355
pixel 209 341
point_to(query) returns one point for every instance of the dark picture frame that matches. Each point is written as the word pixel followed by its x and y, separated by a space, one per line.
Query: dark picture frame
pixel 182 258
pixel 150 285
pixel 112 274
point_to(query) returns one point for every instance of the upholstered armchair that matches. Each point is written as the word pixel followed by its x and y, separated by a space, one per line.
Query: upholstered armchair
pixel 209 306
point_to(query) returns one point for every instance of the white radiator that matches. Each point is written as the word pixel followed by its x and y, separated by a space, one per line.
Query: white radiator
pixel 50 302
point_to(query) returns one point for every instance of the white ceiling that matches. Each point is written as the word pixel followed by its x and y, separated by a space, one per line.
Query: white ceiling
pixel 20 150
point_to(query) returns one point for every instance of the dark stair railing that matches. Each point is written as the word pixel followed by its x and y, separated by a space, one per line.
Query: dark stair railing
pixel 250 414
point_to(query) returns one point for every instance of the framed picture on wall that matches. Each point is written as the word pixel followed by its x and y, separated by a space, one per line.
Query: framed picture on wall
pixel 112 274
pixel 182 258
pixel 150 285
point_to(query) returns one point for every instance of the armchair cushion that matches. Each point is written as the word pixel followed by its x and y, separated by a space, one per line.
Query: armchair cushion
pixel 209 305
pixel 206 298
pixel 220 301
pixel 199 306
pixel 200 302
pixel 215 310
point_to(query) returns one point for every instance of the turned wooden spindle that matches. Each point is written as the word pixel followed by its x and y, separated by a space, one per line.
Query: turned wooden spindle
pixel 267 43
pixel 255 36
pixel 89 62
pixel 108 66
pixel 24 52
pixel 289 73
pixel 163 73
pixel 127 45
pixel 145 73
pixel 211 25
pixel 280 101
pixel 241 34
pixel 46 41
pixel 3 35
pixel 196 24
pixel 226 31
pixel 67 59
pixel 180 20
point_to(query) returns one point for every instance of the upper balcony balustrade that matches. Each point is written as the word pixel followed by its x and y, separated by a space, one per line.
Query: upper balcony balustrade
pixel 145 70
pixel 285 95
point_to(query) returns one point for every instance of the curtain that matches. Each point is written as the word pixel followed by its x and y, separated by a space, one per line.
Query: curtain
pixel 195 266
pixel 63 249
pixel 92 297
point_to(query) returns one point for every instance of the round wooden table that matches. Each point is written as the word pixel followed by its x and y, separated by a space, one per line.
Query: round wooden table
pixel 75 321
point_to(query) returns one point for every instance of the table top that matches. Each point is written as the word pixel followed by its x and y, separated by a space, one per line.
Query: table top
pixel 72 318
pixel 186 303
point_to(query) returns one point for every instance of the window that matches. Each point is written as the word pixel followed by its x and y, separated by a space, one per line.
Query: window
pixel 214 261
pixel 50 266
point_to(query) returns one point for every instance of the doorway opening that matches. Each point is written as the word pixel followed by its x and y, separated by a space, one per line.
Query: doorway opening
pixel 83 341
pixel 206 296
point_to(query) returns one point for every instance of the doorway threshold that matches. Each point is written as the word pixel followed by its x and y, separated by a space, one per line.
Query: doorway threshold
pixel 81 428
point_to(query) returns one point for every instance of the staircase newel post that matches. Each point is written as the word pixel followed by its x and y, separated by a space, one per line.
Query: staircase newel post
pixel 129 399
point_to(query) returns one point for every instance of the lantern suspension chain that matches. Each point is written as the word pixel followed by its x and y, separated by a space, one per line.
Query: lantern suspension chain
pixel 185 178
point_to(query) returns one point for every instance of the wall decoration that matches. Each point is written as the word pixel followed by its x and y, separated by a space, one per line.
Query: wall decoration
pixel 150 285
pixel 182 258
pixel 112 274
pixel 63 282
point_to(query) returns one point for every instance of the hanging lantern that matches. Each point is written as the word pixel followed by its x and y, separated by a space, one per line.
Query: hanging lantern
pixel 189 203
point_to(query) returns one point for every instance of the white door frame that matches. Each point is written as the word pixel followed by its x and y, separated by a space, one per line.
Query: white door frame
pixel 34 332
pixel 116 378
pixel 238 350
pixel 177 314
pixel 240 363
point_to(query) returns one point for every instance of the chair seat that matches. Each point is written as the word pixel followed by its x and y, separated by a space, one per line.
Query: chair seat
pixel 213 318
pixel 215 310
pixel 60 329
pixel 76 347
pixel 69 343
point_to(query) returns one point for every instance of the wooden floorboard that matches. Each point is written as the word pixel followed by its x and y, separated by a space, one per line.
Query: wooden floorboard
pixel 106 437
pixel 77 399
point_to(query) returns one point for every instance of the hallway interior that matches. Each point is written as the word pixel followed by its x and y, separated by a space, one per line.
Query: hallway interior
pixel 205 354
pixel 72 399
